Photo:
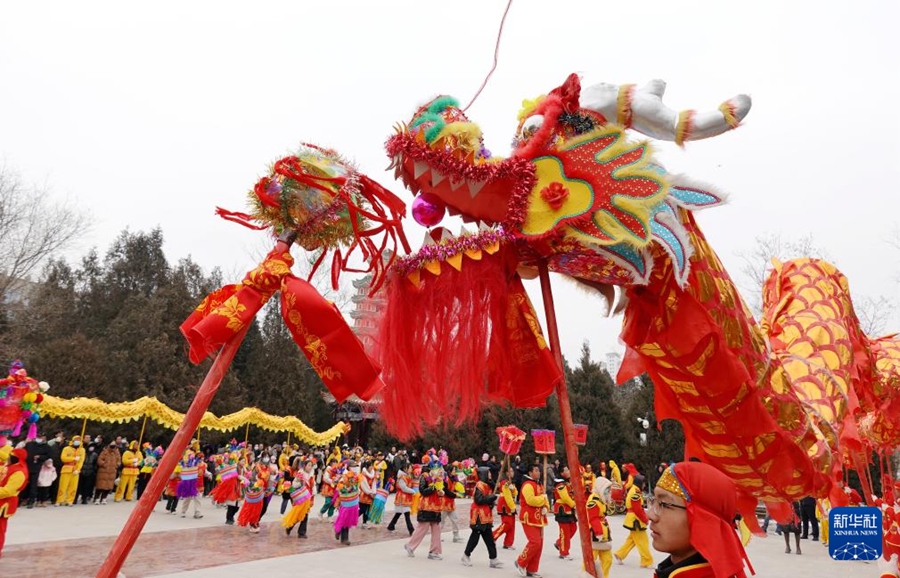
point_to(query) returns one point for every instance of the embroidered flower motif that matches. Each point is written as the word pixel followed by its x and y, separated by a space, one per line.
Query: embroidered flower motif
pixel 231 309
pixel 555 195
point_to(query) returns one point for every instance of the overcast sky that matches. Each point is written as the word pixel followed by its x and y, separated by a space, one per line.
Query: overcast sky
pixel 152 114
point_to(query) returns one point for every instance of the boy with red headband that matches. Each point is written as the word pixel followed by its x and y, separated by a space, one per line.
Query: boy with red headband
pixel 691 518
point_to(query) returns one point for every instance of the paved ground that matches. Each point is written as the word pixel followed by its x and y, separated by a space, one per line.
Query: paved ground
pixel 72 542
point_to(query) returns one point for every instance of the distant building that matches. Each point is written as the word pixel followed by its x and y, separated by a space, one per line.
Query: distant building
pixel 612 364
pixel 360 414
pixel 17 290
pixel 365 312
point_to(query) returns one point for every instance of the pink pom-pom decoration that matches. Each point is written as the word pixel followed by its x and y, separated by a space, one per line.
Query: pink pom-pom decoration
pixel 428 210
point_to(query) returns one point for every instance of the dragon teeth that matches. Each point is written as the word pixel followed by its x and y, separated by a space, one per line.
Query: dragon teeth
pixel 436 178
pixel 446 235
pixel 419 169
pixel 463 232
pixel 475 187
pixel 455 185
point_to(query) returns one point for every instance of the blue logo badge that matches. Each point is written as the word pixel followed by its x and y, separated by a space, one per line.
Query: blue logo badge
pixel 854 533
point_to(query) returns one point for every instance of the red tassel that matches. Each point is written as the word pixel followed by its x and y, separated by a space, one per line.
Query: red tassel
pixel 239 218
pixel 459 340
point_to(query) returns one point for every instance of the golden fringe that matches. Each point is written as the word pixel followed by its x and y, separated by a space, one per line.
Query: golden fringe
pixel 727 110
pixel 684 127
pixel 623 105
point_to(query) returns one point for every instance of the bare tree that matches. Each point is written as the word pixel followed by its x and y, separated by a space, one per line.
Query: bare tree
pixel 32 228
pixel 758 263
pixel 873 312
pixel 893 240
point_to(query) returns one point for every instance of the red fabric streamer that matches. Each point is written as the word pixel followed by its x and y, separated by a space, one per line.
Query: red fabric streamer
pixel 240 218
pixel 458 339
pixel 317 326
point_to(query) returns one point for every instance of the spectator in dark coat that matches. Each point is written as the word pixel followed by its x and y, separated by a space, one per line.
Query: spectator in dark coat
pixel 808 517
pixel 521 469
pixel 38 452
pixel 88 476
pixel 56 447
pixel 495 468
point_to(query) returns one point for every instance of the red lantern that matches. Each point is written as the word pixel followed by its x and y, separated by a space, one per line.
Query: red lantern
pixel 511 439
pixel 544 441
pixel 581 431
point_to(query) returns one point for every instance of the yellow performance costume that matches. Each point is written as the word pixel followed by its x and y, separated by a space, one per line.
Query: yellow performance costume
pixel 636 524
pixel 600 535
pixel 284 462
pixel 823 507
pixel 72 458
pixel 13 479
pixel 131 459
pixel 614 474
pixel 588 476
pixel 380 469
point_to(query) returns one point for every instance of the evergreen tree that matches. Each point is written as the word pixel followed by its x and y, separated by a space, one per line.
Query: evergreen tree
pixel 664 442
pixel 590 395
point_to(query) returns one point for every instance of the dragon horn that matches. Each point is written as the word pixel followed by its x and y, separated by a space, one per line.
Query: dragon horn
pixel 642 109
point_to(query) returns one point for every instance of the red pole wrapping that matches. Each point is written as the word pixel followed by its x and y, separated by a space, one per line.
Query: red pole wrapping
pixel 568 426
pixel 138 518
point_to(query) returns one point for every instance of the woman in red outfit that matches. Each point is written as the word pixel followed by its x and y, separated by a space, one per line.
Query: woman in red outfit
pixel 691 516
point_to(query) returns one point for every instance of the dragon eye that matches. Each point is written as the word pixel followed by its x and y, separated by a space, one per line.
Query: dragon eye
pixel 531 125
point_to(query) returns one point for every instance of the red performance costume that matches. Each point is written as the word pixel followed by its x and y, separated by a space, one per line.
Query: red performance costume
pixel 506 507
pixel 531 514
pixel 564 511
pixel 13 479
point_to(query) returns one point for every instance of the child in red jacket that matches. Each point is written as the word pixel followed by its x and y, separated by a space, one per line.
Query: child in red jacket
pixel 171 492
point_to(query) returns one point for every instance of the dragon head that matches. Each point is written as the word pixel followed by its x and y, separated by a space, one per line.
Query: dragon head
pixel 575 190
